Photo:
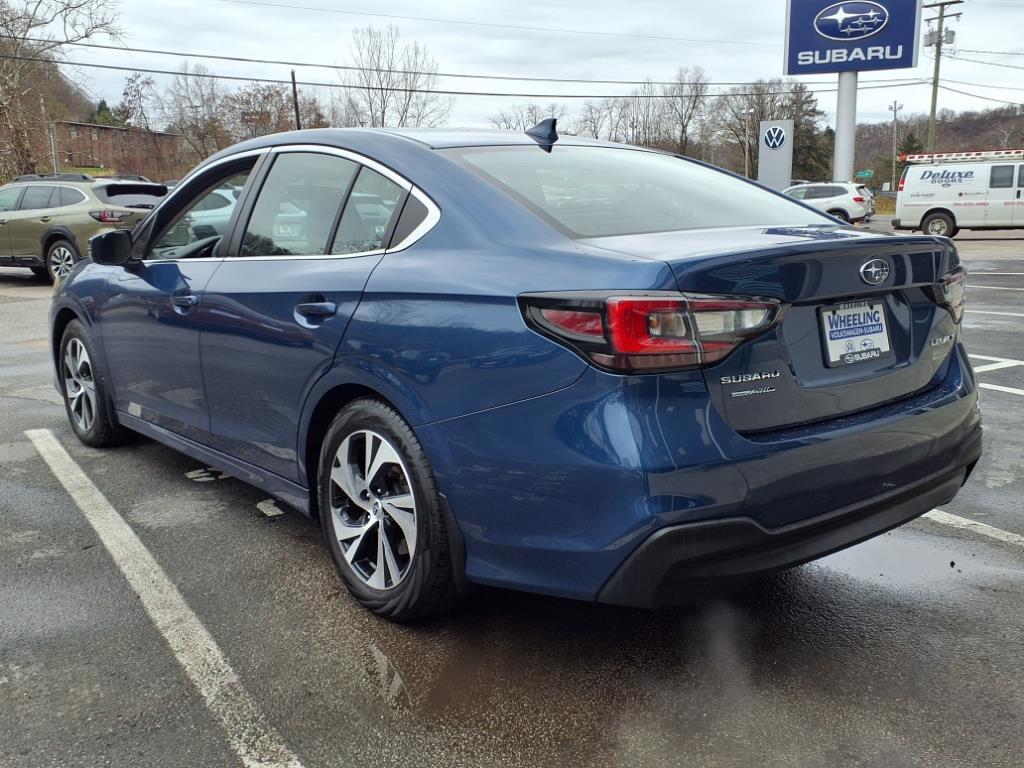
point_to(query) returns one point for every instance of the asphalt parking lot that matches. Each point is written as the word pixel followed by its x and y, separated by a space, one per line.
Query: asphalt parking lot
pixel 903 651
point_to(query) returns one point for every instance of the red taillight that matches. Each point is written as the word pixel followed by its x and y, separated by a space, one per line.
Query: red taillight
pixel 951 292
pixel 858 199
pixel 110 217
pixel 650 332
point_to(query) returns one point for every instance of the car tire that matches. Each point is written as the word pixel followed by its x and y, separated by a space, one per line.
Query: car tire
pixel 398 579
pixel 839 214
pixel 85 391
pixel 42 273
pixel 61 257
pixel 939 223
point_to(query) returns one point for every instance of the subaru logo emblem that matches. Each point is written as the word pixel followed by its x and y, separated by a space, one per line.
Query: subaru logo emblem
pixel 874 272
pixel 775 137
pixel 851 21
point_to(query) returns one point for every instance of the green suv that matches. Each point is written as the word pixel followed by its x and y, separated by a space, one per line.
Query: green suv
pixel 46 220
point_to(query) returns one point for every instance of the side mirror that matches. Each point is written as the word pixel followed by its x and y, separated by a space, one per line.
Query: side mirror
pixel 112 248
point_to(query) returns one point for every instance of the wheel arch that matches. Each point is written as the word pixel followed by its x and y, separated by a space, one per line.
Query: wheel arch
pixel 839 213
pixel 61 320
pixel 59 232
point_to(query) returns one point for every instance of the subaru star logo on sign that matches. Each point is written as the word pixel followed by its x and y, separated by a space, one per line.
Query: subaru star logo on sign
pixel 851 21
pixel 874 272
pixel 775 137
pixel 859 35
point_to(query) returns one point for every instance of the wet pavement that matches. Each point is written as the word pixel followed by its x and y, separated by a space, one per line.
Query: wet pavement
pixel 903 651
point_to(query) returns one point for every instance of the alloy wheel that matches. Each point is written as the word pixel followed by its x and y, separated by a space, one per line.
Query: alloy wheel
pixel 79 385
pixel 373 509
pixel 61 262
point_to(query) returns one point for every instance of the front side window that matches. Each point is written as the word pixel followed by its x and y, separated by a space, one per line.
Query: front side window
pixel 604 191
pixel 797 194
pixel 1002 176
pixel 36 198
pixel 370 209
pixel 195 222
pixel 9 198
pixel 1020 176
pixel 298 205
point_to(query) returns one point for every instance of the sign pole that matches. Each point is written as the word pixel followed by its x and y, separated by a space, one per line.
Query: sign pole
pixel 846 127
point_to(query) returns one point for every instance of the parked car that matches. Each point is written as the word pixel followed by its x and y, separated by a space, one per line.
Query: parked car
pixel 46 221
pixel 842 200
pixel 944 192
pixel 669 385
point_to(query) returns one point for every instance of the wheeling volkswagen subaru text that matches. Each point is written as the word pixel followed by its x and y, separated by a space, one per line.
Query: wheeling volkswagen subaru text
pixel 549 364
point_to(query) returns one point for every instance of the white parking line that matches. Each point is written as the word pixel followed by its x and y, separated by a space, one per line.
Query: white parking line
pixel 973 286
pixel 944 518
pixel 1008 274
pixel 1000 388
pixel 996 359
pixel 252 738
pixel 996 366
pixel 987 312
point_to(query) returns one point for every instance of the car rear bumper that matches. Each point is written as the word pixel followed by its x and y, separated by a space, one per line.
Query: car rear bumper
pixel 681 562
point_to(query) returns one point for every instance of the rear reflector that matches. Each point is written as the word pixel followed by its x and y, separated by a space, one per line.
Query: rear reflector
pixel 652 331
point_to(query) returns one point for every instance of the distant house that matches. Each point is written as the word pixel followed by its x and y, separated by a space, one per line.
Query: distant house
pixel 102 148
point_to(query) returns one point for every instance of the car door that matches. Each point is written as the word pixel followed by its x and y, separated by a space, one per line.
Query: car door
pixel 150 317
pixel 1018 199
pixel 26 225
pixel 1001 196
pixel 9 198
pixel 275 312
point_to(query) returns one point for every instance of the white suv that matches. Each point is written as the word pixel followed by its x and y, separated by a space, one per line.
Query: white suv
pixel 849 202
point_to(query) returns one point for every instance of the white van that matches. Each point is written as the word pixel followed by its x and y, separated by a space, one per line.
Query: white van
pixel 944 192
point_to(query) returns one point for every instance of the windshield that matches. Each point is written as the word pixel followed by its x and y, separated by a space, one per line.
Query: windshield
pixel 604 191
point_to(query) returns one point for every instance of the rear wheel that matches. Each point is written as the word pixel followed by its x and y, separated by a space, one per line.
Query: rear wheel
pixel 939 223
pixel 86 399
pixel 382 515
pixel 61 256
pixel 840 214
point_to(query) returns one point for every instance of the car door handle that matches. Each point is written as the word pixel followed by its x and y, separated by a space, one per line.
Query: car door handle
pixel 317 308
pixel 186 300
pixel 45 219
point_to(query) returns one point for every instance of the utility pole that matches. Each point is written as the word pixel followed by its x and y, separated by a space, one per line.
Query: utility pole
pixel 895 107
pixel 939 34
pixel 295 102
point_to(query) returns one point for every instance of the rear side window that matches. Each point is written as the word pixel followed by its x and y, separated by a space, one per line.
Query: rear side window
pixel 604 191
pixel 369 211
pixel 298 205
pixel 819 193
pixel 37 197
pixel 1002 176
pixel 1020 176
pixel 131 195
pixel 70 196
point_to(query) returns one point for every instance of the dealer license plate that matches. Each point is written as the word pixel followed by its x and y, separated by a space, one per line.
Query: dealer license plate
pixel 854 332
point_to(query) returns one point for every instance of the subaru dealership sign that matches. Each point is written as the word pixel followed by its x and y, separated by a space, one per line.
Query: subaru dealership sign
pixel 856 36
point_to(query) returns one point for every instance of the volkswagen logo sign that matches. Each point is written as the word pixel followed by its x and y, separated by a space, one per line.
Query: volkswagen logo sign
pixel 874 272
pixel 851 21
pixel 775 137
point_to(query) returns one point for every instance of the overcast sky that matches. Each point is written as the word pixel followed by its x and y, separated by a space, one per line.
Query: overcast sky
pixel 751 35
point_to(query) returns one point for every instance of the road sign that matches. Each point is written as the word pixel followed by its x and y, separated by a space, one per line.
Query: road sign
pixel 824 36
pixel 865 174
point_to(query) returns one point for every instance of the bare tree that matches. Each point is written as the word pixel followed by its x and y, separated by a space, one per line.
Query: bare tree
pixel 393 84
pixel 195 106
pixel 686 98
pixel 594 119
pixel 519 117
pixel 31 34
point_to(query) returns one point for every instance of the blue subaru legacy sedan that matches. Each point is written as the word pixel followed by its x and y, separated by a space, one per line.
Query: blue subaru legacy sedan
pixel 549 364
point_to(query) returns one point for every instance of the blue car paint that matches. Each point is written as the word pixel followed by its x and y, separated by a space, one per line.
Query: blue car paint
pixel 554 470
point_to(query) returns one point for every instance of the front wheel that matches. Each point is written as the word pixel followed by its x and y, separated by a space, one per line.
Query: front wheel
pixel 86 399
pixel 939 224
pixel 382 515
pixel 61 257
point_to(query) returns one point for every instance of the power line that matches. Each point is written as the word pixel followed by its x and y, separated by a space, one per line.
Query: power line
pixel 439 92
pixel 987 63
pixel 349 68
pixel 978 96
pixel 435 20
pixel 993 53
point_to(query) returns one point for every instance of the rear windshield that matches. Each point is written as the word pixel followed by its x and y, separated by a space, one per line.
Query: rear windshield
pixel 604 191
pixel 131 195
